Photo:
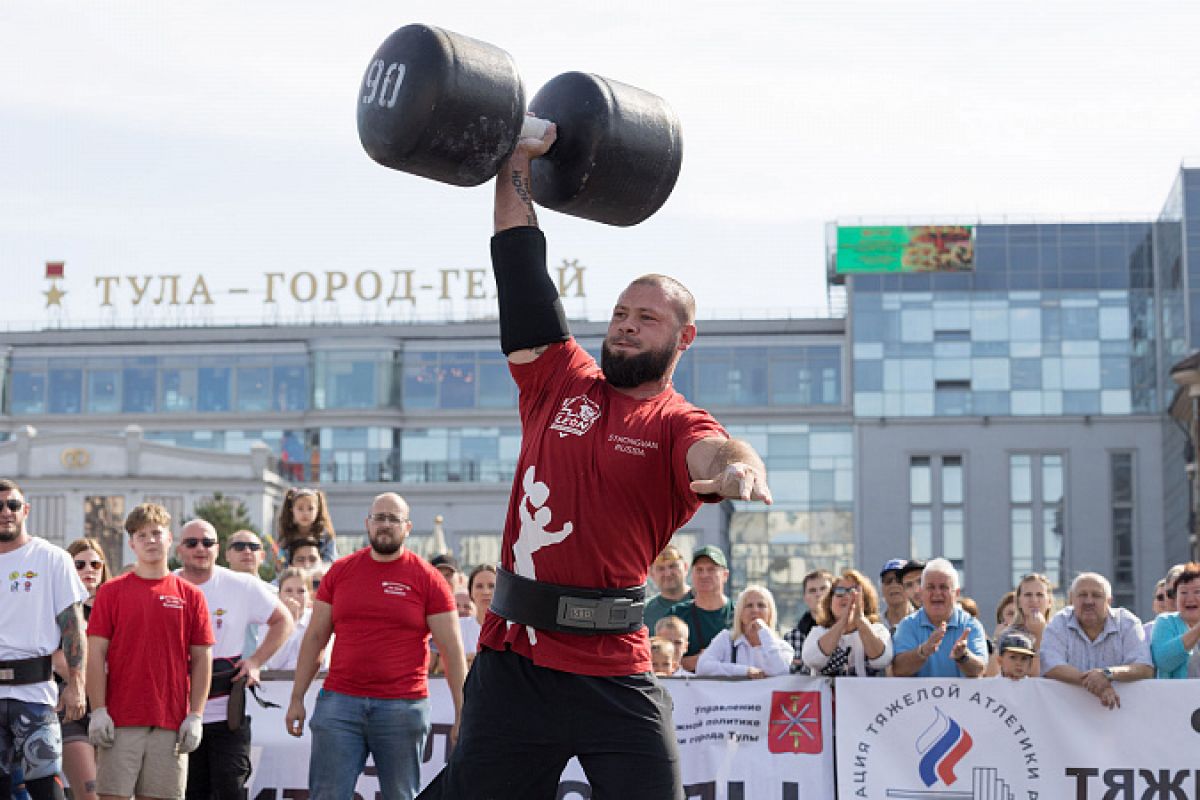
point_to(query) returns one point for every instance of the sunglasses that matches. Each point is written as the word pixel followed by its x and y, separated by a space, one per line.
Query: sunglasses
pixel 93 564
pixel 842 591
pixel 13 504
pixel 240 546
pixel 191 543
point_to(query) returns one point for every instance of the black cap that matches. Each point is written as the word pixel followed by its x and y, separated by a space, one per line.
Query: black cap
pixel 445 560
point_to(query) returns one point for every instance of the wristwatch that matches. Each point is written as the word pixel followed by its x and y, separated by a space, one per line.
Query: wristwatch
pixel 1108 673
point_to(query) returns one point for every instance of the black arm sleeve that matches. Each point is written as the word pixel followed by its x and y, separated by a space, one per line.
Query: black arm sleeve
pixel 531 313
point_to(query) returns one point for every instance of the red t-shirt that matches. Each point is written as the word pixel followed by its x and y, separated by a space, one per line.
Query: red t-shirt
pixel 151 625
pixel 380 645
pixel 602 484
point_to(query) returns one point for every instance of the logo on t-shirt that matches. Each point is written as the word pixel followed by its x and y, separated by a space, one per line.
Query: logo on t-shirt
pixel 218 622
pixel 16 582
pixel 170 601
pixel 396 588
pixel 576 416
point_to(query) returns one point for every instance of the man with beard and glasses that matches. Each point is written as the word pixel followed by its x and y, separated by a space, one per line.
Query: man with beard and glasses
pixel 42 607
pixel 382 602
pixel 613 461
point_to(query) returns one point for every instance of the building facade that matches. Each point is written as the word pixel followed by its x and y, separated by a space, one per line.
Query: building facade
pixel 1011 416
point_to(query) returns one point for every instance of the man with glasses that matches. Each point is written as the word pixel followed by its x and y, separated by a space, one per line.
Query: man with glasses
pixel 244 552
pixel 383 602
pixel 41 607
pixel 149 665
pixel 220 766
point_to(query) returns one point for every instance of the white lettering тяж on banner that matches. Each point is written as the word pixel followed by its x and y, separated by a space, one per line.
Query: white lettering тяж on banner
pixel 738 740
pixel 998 739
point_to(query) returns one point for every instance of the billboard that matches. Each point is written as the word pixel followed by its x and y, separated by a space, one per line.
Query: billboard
pixel 918 248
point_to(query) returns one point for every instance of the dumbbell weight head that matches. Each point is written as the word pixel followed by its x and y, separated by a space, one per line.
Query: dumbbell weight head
pixel 618 152
pixel 440 105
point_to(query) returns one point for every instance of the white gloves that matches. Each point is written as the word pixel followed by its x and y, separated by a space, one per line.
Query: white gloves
pixel 190 731
pixel 101 731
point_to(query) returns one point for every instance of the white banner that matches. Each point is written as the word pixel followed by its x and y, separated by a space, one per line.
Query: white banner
pixel 996 739
pixel 738 740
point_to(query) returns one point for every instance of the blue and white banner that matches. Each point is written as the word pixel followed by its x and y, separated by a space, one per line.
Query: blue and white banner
pixel 738 740
pixel 996 739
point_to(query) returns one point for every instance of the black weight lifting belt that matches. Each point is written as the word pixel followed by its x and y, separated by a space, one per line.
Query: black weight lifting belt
pixel 531 313
pixel 20 671
pixel 567 609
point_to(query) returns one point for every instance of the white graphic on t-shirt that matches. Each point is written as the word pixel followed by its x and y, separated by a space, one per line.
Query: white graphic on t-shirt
pixel 576 416
pixel 533 535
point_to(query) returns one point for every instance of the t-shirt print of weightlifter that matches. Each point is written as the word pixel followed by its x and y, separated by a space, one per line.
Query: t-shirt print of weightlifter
pixel 534 534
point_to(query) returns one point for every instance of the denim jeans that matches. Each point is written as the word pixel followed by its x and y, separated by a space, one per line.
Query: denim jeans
pixel 345 729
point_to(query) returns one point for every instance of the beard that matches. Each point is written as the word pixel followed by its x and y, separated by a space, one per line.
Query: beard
pixel 627 372
pixel 386 545
pixel 10 535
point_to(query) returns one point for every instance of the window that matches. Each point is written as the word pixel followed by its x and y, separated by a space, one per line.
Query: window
pixel 1036 515
pixel 1122 495
pixel 937 519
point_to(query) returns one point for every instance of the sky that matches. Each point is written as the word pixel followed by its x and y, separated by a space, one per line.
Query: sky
pixel 216 142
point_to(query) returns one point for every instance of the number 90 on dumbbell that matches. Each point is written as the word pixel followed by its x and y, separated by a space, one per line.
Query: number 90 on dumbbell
pixel 450 108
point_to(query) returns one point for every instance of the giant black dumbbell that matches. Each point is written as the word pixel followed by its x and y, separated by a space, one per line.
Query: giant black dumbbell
pixel 451 108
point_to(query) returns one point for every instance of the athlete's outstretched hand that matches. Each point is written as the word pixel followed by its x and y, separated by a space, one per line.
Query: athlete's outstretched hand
pixel 738 481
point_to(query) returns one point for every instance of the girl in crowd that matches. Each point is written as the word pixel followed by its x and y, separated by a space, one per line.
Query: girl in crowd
pixel 296 592
pixel 1176 633
pixel 305 515
pixel 79 757
pixel 752 648
pixel 849 638
pixel 1035 605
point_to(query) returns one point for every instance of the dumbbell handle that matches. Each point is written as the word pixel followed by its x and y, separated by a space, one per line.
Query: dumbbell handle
pixel 534 127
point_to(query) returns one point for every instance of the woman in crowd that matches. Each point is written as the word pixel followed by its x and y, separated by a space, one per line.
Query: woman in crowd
pixel 849 638
pixel 305 515
pixel 79 757
pixel 752 648
pixel 1034 607
pixel 1176 633
pixel 296 592
pixel 481 585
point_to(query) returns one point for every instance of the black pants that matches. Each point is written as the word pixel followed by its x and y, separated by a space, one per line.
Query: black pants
pixel 522 723
pixel 219 768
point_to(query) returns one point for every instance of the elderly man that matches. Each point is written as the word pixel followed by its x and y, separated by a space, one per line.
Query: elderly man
pixel 382 602
pixel 1091 644
pixel 220 766
pixel 669 571
pixel 41 609
pixel 939 640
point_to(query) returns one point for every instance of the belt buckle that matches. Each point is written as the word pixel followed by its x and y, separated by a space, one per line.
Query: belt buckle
pixel 8 674
pixel 608 613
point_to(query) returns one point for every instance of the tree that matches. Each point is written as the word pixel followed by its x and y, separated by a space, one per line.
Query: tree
pixel 229 516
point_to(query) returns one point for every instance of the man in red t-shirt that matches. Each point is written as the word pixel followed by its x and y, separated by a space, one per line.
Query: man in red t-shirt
pixel 613 461
pixel 149 666
pixel 382 602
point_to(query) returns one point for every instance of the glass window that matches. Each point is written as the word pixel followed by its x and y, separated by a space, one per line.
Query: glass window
pixel 66 391
pixel 139 386
pixel 457 379
pixel 103 393
pixel 28 392
pixel 291 387
pixel 213 385
pixel 1020 470
pixel 496 386
pixel 254 388
pixel 920 482
pixel 420 380
pixel 353 379
pixel 952 480
pixel 921 533
pixel 178 390
pixel 714 381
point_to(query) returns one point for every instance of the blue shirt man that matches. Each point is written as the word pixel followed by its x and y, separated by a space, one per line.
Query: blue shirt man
pixel 939 640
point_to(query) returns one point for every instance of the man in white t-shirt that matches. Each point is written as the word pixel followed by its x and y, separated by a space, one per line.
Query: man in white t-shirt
pixel 220 766
pixel 40 606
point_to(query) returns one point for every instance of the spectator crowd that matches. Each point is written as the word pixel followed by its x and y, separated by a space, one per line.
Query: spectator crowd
pixel 171 655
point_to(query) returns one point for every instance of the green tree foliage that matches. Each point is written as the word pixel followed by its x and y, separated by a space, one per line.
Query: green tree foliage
pixel 229 516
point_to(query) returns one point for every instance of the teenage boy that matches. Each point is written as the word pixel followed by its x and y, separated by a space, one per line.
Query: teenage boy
pixel 149 667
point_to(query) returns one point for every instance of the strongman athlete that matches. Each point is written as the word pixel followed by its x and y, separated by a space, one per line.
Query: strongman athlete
pixel 613 461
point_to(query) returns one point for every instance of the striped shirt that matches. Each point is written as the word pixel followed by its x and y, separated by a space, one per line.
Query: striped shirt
pixel 1122 642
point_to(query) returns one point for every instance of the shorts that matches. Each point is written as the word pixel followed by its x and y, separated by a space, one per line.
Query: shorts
pixel 142 761
pixel 30 738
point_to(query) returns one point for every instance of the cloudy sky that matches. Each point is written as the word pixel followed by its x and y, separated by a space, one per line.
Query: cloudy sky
pixel 217 140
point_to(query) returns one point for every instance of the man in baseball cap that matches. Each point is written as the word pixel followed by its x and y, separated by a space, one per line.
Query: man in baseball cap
pixel 709 612
pixel 896 603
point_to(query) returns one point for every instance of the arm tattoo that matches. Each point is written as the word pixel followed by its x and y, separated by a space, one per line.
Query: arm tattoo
pixel 70 622
pixel 518 181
